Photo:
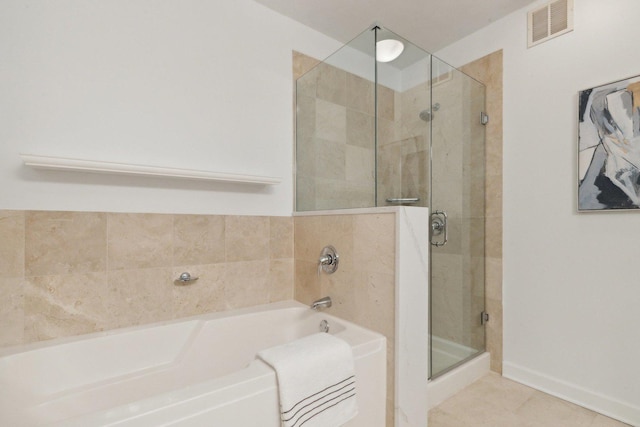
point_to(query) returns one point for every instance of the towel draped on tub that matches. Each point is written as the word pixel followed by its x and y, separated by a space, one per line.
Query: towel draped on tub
pixel 316 381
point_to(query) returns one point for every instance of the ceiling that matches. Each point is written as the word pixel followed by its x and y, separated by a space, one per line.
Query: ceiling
pixel 431 24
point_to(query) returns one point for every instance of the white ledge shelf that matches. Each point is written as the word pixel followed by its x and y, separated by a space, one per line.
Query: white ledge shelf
pixel 92 166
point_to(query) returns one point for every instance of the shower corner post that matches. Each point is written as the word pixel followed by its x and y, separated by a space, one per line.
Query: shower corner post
pixel 375 29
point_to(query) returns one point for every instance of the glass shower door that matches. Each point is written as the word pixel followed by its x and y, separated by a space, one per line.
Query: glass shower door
pixel 457 217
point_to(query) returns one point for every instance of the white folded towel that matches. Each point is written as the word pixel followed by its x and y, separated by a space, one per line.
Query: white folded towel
pixel 316 381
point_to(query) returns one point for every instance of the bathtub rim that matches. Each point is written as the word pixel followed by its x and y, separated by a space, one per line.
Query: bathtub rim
pixel 203 317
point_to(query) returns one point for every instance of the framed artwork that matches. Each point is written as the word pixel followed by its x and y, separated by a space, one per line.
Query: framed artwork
pixel 609 146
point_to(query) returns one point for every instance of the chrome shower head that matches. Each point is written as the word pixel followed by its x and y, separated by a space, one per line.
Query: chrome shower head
pixel 427 115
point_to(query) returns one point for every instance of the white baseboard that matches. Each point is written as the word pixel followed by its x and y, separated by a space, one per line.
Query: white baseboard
pixel 605 405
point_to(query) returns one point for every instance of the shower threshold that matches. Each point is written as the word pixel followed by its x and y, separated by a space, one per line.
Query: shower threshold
pixel 451 381
pixel 446 355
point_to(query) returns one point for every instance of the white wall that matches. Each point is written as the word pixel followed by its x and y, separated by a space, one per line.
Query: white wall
pixel 187 84
pixel 571 283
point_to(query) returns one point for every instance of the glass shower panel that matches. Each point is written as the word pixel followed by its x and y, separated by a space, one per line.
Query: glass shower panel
pixel 335 130
pixel 457 199
pixel 403 132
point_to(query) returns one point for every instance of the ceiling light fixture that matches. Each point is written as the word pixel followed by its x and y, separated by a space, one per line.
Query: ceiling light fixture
pixel 388 50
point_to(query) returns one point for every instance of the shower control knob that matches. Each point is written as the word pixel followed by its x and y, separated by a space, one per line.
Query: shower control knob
pixel 185 278
pixel 329 259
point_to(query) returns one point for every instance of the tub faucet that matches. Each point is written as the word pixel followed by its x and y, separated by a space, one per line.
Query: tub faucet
pixel 321 303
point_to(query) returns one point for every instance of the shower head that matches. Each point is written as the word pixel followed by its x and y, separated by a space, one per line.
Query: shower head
pixel 427 115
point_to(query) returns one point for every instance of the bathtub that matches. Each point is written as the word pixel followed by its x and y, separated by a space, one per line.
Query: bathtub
pixel 192 372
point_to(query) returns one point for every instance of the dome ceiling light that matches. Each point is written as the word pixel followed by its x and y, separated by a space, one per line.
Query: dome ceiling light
pixel 388 50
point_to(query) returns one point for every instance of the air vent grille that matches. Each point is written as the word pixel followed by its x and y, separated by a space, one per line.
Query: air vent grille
pixel 549 21
pixel 540 25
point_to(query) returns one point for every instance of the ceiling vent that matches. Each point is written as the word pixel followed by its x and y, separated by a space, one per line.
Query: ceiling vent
pixel 549 21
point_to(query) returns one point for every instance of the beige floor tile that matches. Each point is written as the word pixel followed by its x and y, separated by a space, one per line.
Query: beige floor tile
pixel 497 392
pixel 494 401
pixel 544 410
pixel 440 418
pixel 503 419
pixel 602 421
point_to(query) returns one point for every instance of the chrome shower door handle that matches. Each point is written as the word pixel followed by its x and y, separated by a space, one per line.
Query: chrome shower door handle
pixel 439 227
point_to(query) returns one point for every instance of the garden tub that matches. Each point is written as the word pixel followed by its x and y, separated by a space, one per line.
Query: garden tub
pixel 195 371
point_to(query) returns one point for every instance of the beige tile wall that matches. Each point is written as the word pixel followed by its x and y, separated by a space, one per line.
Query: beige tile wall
pixel 70 273
pixel 363 287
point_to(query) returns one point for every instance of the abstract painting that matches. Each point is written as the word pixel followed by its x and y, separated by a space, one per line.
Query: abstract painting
pixel 609 146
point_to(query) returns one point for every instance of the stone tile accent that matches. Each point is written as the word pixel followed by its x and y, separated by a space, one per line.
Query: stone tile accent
pixel 70 273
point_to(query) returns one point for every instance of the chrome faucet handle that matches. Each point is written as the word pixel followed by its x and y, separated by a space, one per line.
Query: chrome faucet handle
pixel 328 260
pixel 185 278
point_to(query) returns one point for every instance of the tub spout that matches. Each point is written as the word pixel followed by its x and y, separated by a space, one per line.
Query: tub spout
pixel 321 303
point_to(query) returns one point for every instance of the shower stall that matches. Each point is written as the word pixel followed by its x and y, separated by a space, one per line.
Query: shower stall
pixel 382 122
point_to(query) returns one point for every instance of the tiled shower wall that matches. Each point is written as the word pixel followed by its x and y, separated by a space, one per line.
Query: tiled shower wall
pixel 70 273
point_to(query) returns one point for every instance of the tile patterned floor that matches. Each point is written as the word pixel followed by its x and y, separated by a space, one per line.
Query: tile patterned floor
pixel 494 401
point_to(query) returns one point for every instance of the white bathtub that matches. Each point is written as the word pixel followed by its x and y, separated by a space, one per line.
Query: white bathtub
pixel 192 372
